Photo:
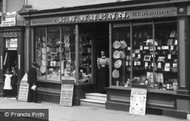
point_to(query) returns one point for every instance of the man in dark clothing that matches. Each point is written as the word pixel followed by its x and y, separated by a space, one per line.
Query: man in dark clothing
pixel 32 81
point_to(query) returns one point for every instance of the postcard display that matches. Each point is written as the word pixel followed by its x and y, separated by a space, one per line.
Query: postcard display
pixel 148 62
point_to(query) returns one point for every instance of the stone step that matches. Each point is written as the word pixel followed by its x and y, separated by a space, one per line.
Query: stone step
pixel 92 103
pixel 96 96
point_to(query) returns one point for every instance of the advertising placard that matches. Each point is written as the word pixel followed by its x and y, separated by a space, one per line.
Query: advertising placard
pixel 66 96
pixel 9 19
pixel 23 89
pixel 138 101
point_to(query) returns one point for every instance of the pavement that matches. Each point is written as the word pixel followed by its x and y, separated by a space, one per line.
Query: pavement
pixel 78 113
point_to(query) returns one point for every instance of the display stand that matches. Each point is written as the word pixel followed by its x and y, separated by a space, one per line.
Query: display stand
pixel 138 101
pixel 66 96
pixel 23 89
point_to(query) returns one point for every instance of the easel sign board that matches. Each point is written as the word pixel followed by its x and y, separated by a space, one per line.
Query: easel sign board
pixel 138 101
pixel 66 96
pixel 23 89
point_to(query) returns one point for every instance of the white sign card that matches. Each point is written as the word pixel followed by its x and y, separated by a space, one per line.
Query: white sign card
pixel 66 97
pixel 138 101
pixel 23 89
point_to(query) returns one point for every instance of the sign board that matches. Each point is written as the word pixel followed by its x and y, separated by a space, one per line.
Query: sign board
pixel 138 101
pixel 11 43
pixel 66 96
pixel 108 16
pixel 9 19
pixel 23 89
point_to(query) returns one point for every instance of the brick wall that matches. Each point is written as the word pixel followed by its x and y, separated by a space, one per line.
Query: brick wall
pixel 50 4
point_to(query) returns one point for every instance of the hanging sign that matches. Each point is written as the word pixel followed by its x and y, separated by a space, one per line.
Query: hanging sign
pixel 23 89
pixel 66 96
pixel 138 101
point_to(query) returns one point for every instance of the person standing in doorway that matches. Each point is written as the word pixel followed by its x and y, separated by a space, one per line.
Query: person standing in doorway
pixel 102 63
pixel 14 82
pixel 32 81
pixel 7 89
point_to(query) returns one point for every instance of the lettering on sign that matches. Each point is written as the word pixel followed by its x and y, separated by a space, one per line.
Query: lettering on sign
pixel 121 15
pixel 66 97
pixel 9 34
pixel 23 91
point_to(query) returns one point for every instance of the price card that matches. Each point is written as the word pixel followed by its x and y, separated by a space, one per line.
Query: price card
pixel 165 47
pixel 169 56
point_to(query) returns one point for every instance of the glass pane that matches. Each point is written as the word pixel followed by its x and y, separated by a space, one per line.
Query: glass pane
pixel 121 59
pixel 52 54
pixel 166 55
pixel 68 60
pixel 85 57
pixel 40 50
pixel 142 55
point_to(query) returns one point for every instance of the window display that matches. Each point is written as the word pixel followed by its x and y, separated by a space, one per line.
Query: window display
pixel 40 51
pixel 55 52
pixel 67 48
pixel 85 57
pixel 151 59
pixel 121 56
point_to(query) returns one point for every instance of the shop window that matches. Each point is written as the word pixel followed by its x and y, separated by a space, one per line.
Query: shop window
pixel 142 55
pixel 85 57
pixel 52 54
pixel 55 53
pixel 40 51
pixel 121 59
pixel 68 60
pixel 151 60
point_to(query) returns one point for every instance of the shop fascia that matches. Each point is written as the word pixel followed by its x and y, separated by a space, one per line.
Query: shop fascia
pixel 121 15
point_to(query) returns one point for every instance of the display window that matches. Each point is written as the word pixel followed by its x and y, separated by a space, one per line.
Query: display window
pixel 121 51
pixel 55 52
pixel 149 57
pixel 85 57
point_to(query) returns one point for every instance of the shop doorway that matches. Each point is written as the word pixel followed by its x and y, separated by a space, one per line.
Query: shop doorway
pixel 10 60
pixel 95 36
pixel 101 44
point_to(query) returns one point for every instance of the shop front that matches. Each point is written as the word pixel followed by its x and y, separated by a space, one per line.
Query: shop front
pixel 11 48
pixel 146 43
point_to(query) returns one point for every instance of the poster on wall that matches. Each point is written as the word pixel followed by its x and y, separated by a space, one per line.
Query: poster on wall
pixel 23 89
pixel 9 19
pixel 66 96
pixel 138 101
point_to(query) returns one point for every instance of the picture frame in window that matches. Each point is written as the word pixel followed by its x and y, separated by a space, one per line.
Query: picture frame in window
pixel 161 58
pixel 147 57
pixel 173 34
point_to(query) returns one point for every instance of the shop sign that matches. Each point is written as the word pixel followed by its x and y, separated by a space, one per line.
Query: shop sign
pixel 11 43
pixel 121 15
pixel 45 21
pixel 9 19
pixel 138 101
pixel 9 34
